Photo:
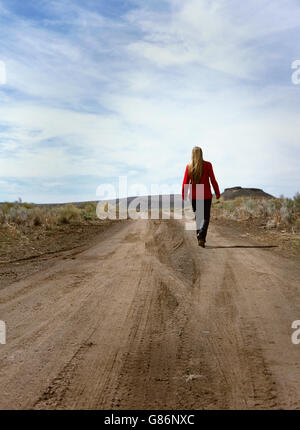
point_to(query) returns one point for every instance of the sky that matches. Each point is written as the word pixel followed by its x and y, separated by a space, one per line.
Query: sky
pixel 100 89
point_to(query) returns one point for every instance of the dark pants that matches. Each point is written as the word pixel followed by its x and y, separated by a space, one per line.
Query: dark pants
pixel 202 222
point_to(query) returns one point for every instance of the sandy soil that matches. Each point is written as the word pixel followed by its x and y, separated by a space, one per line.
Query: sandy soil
pixel 145 319
pixel 26 250
pixel 285 242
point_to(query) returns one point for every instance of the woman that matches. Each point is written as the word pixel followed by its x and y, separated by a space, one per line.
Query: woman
pixel 199 171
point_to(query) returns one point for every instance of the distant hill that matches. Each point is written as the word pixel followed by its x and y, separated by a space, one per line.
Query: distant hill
pixel 234 192
pixel 175 199
pixel 156 200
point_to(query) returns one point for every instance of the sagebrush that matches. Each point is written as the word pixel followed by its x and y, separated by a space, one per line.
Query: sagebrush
pixel 273 213
pixel 31 215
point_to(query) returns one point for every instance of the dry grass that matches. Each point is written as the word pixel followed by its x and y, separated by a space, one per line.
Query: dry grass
pixel 271 213
pixel 23 215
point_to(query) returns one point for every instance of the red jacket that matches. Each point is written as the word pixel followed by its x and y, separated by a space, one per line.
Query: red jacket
pixel 207 174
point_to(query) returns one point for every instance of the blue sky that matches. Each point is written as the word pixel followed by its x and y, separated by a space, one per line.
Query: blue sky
pixel 100 89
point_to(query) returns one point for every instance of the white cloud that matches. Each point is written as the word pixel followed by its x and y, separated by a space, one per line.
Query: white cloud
pixel 137 93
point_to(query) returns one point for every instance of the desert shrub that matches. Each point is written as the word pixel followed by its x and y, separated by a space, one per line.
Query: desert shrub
pixel 86 216
pixel 28 205
pixel 2 216
pixel 42 216
pixel 89 211
pixel 228 205
pixel 6 207
pixel 31 215
pixel 278 203
pixel 285 215
pixel 271 206
pixel 250 206
pixel 17 215
pixel 88 207
pixel 238 201
pixel 37 220
pixel 282 212
pixel 68 214
pixel 264 208
pixel 297 202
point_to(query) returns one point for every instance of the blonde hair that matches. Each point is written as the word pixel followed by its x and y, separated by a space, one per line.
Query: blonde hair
pixel 195 168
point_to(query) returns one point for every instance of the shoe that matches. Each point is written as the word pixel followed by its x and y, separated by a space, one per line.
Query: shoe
pixel 201 243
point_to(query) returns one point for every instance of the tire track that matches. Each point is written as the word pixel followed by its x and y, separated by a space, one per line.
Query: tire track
pixel 147 319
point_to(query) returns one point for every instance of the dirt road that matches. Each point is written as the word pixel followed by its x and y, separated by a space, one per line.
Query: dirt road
pixel 146 319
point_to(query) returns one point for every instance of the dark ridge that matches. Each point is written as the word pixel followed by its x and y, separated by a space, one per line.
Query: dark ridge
pixel 234 192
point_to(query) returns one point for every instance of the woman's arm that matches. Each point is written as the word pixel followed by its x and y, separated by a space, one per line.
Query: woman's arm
pixel 186 181
pixel 214 182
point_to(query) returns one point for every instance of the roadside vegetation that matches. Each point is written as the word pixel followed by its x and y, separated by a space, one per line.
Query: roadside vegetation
pixel 280 213
pixel 28 230
pixel 21 215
